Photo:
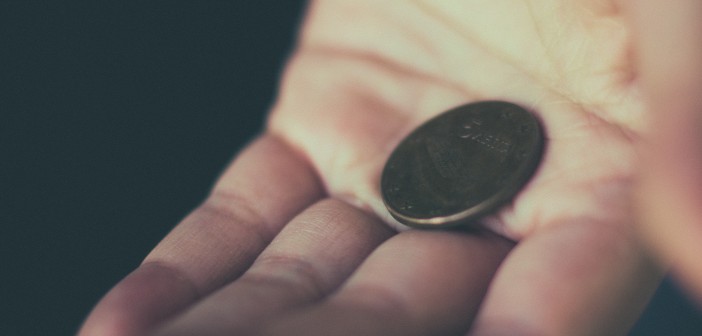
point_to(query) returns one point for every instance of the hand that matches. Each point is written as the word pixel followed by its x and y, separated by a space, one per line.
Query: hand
pixel 293 238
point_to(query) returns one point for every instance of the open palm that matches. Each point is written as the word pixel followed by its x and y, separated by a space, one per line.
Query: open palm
pixel 295 238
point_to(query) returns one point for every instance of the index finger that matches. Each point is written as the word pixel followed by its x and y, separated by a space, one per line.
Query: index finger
pixel 264 187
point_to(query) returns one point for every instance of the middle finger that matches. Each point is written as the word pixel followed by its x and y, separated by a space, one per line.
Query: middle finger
pixel 311 256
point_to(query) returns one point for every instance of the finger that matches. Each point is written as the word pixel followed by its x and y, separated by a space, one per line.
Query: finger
pixel 265 187
pixel 417 283
pixel 310 257
pixel 669 48
pixel 574 279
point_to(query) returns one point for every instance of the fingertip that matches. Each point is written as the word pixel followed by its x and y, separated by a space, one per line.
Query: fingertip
pixel 142 300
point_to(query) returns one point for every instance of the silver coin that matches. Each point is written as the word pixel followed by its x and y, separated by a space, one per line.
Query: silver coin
pixel 463 164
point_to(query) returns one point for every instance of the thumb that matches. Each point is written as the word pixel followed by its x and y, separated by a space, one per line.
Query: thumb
pixel 668 37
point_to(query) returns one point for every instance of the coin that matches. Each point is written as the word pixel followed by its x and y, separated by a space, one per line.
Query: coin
pixel 461 165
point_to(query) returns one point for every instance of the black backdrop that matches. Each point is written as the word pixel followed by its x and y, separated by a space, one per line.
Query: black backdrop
pixel 115 119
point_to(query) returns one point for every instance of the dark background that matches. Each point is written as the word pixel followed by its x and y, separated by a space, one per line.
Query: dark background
pixel 115 119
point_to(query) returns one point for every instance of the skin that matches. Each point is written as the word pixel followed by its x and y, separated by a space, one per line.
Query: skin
pixel 294 238
pixel 669 192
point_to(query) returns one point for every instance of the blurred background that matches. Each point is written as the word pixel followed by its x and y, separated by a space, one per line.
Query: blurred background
pixel 115 119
